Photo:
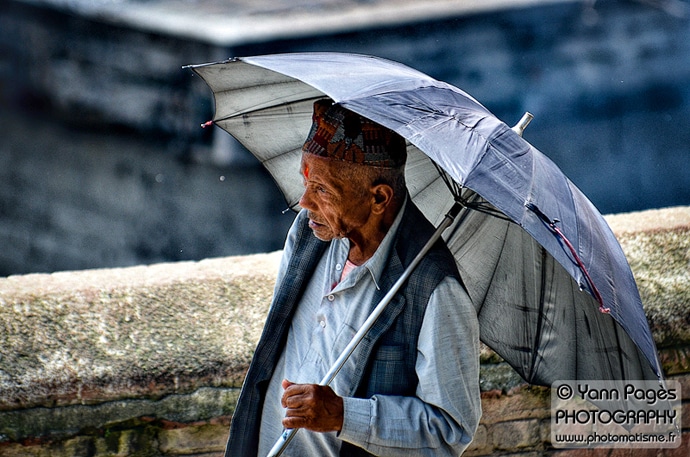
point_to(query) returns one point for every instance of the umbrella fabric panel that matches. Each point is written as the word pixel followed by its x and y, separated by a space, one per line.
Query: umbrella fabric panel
pixel 275 136
pixel 525 290
pixel 234 97
pixel 615 280
pixel 439 121
pixel 272 131
pixel 354 75
pixel 429 192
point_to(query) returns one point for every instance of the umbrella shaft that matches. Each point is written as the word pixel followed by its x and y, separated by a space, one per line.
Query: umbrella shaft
pixel 289 434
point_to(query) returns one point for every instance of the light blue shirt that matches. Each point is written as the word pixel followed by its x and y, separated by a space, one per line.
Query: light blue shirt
pixel 443 415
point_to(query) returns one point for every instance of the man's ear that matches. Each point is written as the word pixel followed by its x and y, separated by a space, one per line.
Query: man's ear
pixel 383 196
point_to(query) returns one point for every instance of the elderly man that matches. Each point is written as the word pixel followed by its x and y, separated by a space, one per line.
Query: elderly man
pixel 411 387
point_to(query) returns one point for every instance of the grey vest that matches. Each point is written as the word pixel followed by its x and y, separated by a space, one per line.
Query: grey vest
pixel 390 347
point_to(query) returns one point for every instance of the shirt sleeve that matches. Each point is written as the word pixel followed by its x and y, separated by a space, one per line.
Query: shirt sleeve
pixel 441 419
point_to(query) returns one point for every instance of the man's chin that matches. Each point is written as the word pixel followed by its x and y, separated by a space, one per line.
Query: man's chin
pixel 321 232
pixel 322 235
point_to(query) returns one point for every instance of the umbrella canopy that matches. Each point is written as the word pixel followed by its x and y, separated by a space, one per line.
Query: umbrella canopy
pixel 553 291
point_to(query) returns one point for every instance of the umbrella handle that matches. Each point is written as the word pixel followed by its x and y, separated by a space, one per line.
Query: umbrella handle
pixel 289 434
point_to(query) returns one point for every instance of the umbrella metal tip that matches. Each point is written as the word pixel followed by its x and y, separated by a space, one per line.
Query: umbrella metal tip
pixel 522 124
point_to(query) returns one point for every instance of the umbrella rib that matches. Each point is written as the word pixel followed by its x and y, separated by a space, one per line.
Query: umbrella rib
pixel 540 319
pixel 255 110
pixel 618 341
pixel 453 186
pixel 456 191
pixel 483 207
pixel 618 344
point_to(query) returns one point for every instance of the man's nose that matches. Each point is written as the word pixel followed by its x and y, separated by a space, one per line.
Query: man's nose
pixel 306 201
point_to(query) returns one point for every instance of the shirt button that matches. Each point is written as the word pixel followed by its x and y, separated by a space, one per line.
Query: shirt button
pixel 338 267
pixel 331 297
pixel 322 324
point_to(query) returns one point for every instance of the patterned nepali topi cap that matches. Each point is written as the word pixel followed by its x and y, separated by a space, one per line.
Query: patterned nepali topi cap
pixel 338 133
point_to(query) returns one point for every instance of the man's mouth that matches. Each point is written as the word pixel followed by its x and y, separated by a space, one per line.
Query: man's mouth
pixel 313 222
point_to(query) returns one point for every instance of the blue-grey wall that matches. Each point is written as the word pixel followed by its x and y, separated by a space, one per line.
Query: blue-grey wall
pixel 103 162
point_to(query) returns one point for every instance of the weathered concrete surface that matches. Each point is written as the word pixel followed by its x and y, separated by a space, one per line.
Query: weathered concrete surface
pixel 148 360
pixel 99 335
pixel 93 336
pixel 657 245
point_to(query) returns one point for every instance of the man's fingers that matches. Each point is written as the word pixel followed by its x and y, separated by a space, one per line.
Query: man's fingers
pixel 298 413
pixel 296 422
pixel 311 406
pixel 295 402
pixel 292 391
pixel 300 396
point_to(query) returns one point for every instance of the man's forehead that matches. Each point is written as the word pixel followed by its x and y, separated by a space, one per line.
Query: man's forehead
pixel 324 169
pixel 310 162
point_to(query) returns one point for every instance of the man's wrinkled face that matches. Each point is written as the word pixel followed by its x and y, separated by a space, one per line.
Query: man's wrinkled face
pixel 337 206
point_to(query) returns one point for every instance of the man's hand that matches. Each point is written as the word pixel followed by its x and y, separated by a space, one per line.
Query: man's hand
pixel 316 408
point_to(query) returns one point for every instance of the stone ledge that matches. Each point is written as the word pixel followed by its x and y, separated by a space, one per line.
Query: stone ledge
pixel 657 246
pixel 652 220
pixel 93 336
pixel 89 337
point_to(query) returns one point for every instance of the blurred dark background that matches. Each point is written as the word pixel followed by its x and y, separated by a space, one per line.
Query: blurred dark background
pixel 103 162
